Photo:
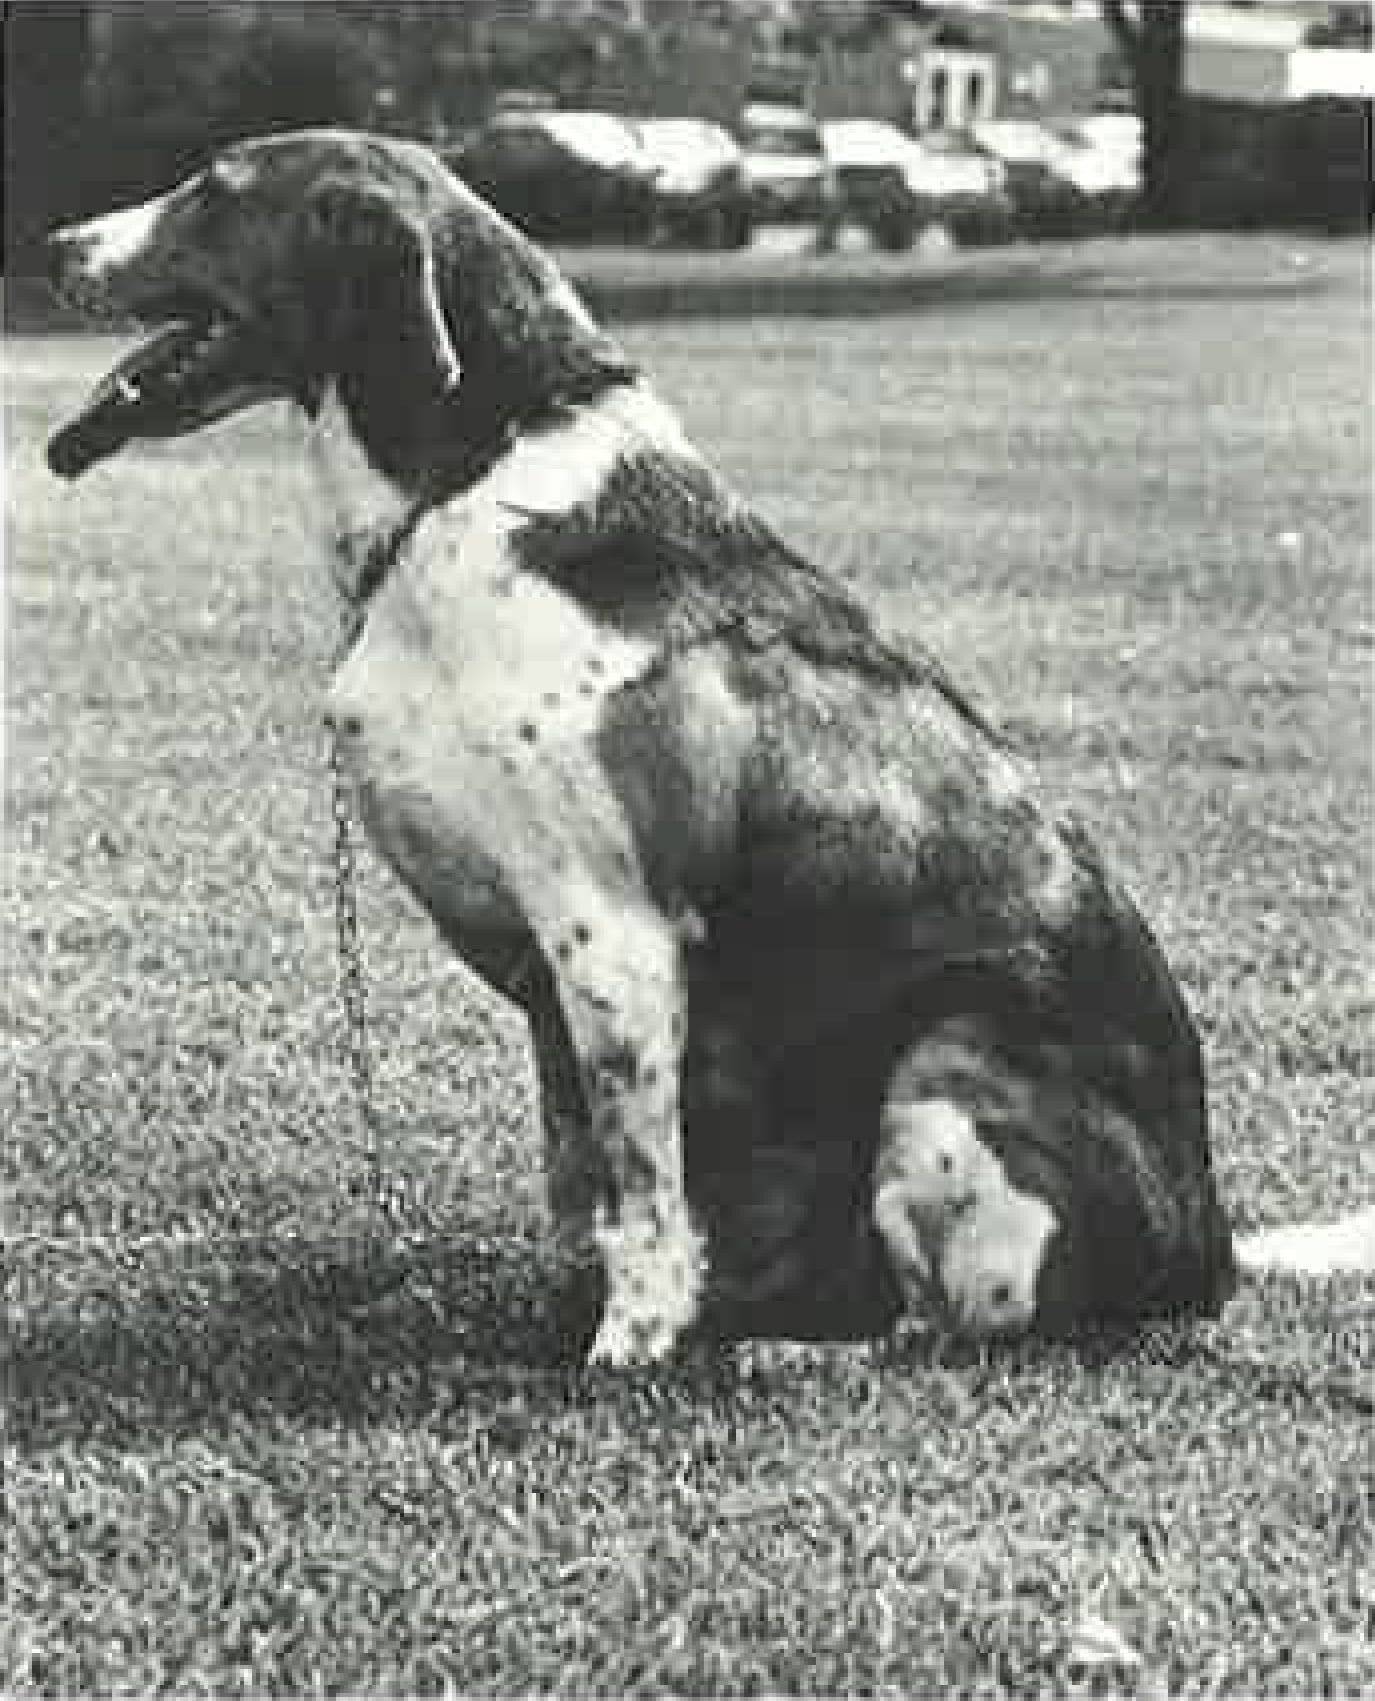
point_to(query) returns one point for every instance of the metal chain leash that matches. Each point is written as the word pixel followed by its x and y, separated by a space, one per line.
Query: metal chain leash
pixel 353 987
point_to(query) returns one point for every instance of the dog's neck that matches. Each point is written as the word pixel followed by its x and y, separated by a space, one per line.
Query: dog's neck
pixel 363 516
pixel 387 442
pixel 359 513
pixel 524 346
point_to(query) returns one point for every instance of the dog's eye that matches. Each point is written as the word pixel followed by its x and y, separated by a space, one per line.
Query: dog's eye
pixel 224 177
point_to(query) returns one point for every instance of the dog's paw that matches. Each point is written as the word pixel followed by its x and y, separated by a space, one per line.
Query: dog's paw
pixel 625 1340
pixel 654 1266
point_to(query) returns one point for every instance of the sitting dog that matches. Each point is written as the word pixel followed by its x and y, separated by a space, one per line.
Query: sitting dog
pixel 655 777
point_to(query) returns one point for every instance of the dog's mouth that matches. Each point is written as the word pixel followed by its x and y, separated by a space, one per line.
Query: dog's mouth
pixel 201 364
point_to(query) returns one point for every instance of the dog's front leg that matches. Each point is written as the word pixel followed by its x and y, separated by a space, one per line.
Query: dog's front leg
pixel 621 985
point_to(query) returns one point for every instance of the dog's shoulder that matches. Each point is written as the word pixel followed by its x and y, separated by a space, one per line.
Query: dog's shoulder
pixel 665 549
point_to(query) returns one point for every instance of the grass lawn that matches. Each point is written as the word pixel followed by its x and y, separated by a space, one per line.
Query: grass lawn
pixel 260 1443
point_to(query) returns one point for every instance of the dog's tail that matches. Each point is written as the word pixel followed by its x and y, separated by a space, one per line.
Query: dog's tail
pixel 1344 1245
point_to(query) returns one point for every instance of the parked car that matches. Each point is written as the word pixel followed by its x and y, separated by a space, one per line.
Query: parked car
pixel 989 216
pixel 1103 159
pixel 700 192
pixel 1073 178
pixel 562 175
pixel 786 170
pixel 1045 201
pixel 1117 133
pixel 894 185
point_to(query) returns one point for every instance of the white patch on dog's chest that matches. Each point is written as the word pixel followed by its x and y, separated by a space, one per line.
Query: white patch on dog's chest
pixel 472 701
pixel 471 725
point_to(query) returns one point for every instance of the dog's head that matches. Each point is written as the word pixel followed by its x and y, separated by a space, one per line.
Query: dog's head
pixel 325 256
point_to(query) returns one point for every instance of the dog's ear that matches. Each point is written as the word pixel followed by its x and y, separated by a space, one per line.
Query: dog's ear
pixel 362 254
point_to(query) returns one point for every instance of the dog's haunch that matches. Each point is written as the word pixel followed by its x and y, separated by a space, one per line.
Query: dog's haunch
pixel 958 1234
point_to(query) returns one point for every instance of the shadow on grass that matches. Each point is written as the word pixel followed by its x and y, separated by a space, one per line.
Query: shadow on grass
pixel 365 1331
pixel 352 1330
pixel 345 1330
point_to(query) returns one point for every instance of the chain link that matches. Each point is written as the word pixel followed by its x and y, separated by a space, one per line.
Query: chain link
pixel 353 987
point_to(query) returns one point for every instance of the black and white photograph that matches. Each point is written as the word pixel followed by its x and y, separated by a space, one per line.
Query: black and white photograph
pixel 689 775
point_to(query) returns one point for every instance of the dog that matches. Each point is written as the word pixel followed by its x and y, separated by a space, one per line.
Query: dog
pixel 755 873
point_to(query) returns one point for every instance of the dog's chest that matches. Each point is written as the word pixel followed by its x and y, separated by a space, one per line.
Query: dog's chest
pixel 473 704
pixel 470 709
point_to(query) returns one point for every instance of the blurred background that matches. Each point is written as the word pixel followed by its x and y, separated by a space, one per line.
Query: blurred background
pixel 715 122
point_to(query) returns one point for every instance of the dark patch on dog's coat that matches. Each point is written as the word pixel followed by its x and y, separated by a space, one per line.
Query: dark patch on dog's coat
pixel 667 550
